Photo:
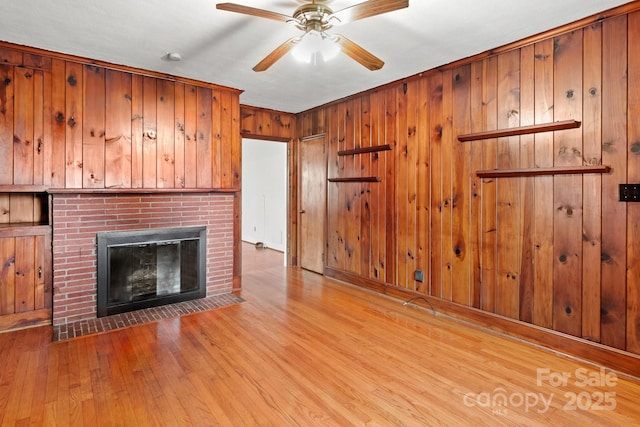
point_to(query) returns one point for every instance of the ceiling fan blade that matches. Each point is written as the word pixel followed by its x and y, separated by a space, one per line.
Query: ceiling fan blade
pixel 358 53
pixel 248 10
pixel 367 9
pixel 276 54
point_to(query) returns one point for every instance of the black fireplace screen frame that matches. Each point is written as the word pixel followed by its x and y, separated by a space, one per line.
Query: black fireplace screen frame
pixel 108 240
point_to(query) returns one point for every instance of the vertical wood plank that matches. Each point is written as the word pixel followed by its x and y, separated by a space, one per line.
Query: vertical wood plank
pixel 489 196
pixel 508 197
pixel 226 139
pixel 204 140
pixel 7 275
pixel 527 160
pixel 614 213
pixel 477 123
pixel 365 199
pixel 38 128
pixel 352 190
pixel 48 270
pixel 6 124
pixel 217 131
pixel 461 188
pixel 413 148
pixel 149 132
pixel 592 183
pixel 403 251
pixel 118 129
pixel 190 136
pixel 23 126
pixel 447 185
pixel 543 188
pixel 390 126
pixel 137 130
pixel 423 185
pixel 179 124
pixel 567 226
pixel 633 175
pixel 73 131
pixel 40 266
pixel 236 143
pixel 341 189
pixel 377 191
pixel 165 142
pixel 25 274
pixel 93 129
pixel 57 121
pixel 21 208
pixel 435 138
pixel 333 233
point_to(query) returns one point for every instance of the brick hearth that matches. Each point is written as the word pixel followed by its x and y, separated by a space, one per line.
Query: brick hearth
pixel 77 218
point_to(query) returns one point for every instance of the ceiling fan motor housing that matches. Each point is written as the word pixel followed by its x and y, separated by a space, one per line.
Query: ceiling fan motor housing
pixel 313 17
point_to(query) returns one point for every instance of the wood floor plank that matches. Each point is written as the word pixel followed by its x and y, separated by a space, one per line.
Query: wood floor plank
pixel 303 350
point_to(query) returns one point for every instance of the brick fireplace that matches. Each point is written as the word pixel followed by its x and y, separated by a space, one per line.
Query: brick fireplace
pixel 78 217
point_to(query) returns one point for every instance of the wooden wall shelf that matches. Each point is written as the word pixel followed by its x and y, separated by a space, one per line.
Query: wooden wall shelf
pixel 568 170
pixel 356 179
pixel 522 130
pixel 363 150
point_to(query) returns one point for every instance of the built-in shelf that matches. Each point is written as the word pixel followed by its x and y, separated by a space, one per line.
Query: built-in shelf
pixel 356 179
pixel 23 188
pixel 363 150
pixel 522 130
pixel 561 170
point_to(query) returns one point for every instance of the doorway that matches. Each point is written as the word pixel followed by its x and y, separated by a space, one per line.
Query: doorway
pixel 264 195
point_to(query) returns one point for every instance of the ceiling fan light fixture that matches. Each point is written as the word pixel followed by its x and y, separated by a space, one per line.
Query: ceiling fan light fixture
pixel 315 46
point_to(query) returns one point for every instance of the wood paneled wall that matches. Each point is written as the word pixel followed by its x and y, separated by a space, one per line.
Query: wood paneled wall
pixel 272 125
pixel 260 123
pixel 66 124
pixel 69 123
pixel 556 251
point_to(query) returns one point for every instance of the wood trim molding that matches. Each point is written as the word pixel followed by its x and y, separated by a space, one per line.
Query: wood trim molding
pixel 139 190
pixel 23 188
pixel 108 65
pixel 249 135
pixel 618 360
pixel 363 150
pixel 566 170
pixel 22 230
pixel 356 179
pixel 522 130
pixel 582 23
pixel 29 319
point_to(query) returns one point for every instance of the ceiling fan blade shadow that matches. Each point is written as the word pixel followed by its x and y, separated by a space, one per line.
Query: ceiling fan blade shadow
pixel 367 9
pixel 276 54
pixel 359 54
pixel 248 10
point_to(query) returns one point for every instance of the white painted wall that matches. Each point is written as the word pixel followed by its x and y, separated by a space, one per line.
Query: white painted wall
pixel 264 193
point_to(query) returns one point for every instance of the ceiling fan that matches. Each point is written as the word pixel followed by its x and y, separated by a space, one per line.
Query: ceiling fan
pixel 315 18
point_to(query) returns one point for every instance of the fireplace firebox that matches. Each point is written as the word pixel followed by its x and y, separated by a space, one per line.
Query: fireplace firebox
pixel 147 268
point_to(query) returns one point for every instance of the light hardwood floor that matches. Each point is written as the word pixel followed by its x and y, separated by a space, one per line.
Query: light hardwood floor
pixel 303 350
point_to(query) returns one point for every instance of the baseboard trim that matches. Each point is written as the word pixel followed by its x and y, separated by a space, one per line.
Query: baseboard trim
pixel 589 351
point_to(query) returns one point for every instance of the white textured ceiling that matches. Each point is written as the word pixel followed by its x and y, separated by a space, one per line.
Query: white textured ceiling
pixel 221 47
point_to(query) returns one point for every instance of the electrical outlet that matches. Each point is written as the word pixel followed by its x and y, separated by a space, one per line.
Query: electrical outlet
pixel 630 192
pixel 418 275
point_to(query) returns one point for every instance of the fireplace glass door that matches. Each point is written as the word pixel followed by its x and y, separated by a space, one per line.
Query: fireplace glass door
pixel 149 268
